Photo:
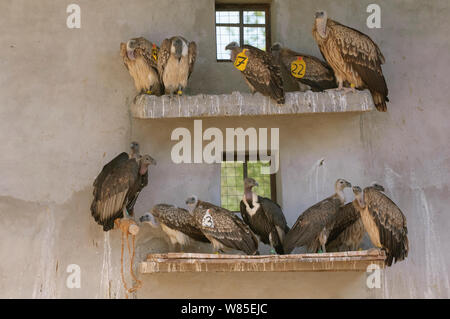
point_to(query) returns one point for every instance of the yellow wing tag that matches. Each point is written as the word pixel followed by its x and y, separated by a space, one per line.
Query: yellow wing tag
pixel 155 53
pixel 241 60
pixel 298 68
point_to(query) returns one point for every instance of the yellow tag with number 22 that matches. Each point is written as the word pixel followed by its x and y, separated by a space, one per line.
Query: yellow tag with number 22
pixel 241 60
pixel 298 68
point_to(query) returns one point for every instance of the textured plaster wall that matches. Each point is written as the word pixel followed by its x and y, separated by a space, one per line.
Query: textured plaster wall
pixel 64 113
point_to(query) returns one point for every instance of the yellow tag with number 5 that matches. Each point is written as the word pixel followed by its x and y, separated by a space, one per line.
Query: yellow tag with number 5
pixel 298 68
pixel 241 60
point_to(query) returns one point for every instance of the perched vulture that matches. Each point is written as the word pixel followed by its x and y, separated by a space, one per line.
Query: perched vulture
pixel 353 56
pixel 348 230
pixel 305 69
pixel 176 60
pixel 140 57
pixel 265 217
pixel 117 188
pixel 177 223
pixel 259 69
pixel 384 222
pixel 314 225
pixel 223 228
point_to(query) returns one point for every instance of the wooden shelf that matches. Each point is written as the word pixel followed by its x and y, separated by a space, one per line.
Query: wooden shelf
pixel 189 262
pixel 245 104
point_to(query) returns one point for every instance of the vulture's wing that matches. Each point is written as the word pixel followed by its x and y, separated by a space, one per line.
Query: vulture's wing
pixel 274 213
pixel 345 217
pixel 263 74
pixel 163 56
pixel 145 48
pixel 365 57
pixel 178 219
pixel 310 223
pixel 121 158
pixel 192 56
pixel 391 224
pixel 228 229
pixel 113 193
pixel 318 74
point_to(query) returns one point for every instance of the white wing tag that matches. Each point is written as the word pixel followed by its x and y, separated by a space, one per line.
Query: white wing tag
pixel 207 220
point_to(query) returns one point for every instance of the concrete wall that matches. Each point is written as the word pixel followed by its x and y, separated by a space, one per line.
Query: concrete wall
pixel 64 113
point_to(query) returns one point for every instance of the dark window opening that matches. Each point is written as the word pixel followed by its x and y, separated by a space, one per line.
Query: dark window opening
pixel 232 174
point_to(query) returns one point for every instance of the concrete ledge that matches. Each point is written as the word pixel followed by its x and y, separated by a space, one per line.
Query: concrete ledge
pixel 245 104
pixel 186 262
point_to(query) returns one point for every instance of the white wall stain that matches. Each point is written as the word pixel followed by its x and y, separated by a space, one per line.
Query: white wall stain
pixel 45 281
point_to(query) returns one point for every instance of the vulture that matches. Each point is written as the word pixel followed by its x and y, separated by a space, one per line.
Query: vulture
pixel 176 60
pixel 384 222
pixel 177 223
pixel 315 224
pixel 140 58
pixel 117 188
pixel 259 69
pixel 348 230
pixel 305 69
pixel 353 56
pixel 223 228
pixel 264 217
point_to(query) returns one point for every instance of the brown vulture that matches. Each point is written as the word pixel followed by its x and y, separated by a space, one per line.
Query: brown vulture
pixel 264 217
pixel 140 58
pixel 353 56
pixel 314 225
pixel 223 228
pixel 384 222
pixel 305 69
pixel 176 59
pixel 117 188
pixel 259 69
pixel 177 223
pixel 348 230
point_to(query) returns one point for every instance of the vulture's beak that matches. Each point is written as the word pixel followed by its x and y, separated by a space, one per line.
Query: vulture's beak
pixel 256 184
pixel 348 184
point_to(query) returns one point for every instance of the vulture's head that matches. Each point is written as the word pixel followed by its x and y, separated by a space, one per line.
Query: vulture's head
pixel 191 203
pixel 341 184
pixel 147 160
pixel 149 219
pixel 321 22
pixel 249 183
pixel 178 47
pixel 358 195
pixel 275 48
pixel 134 146
pixel 377 186
pixel 232 45
pixel 131 45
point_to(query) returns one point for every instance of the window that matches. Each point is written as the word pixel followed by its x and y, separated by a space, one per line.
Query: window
pixel 232 176
pixel 248 24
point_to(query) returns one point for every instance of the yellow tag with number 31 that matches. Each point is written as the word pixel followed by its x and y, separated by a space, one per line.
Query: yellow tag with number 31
pixel 241 60
pixel 298 68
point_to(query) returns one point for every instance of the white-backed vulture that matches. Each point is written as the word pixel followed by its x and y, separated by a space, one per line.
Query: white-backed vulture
pixel 264 217
pixel 348 230
pixel 312 72
pixel 223 228
pixel 259 69
pixel 353 56
pixel 177 223
pixel 176 61
pixel 117 188
pixel 384 222
pixel 140 56
pixel 314 225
